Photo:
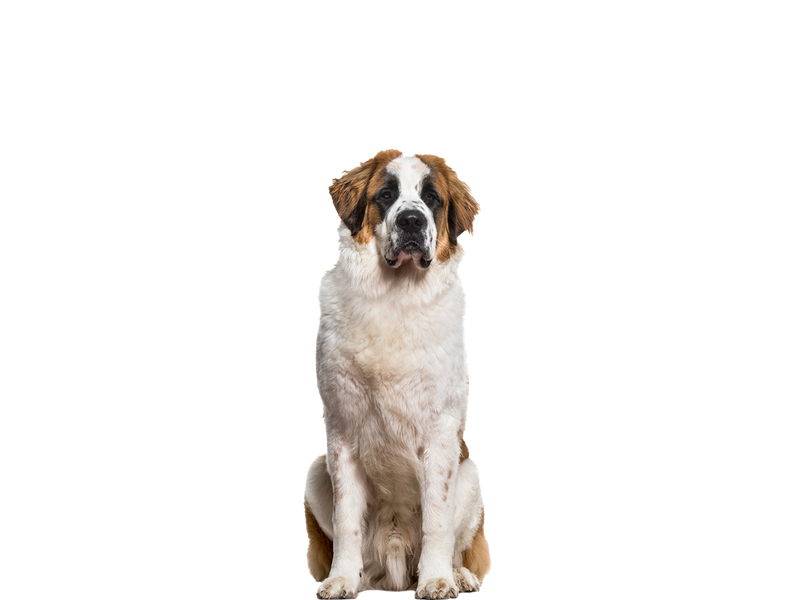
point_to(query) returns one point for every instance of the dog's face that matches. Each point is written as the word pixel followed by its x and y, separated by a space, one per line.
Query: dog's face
pixel 414 206
pixel 409 205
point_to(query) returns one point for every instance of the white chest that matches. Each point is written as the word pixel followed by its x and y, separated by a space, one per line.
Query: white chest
pixel 379 360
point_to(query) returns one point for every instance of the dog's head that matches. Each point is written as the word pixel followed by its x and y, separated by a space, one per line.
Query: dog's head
pixel 414 206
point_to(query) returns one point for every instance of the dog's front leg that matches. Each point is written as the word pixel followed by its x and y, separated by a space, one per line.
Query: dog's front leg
pixel 349 503
pixel 440 463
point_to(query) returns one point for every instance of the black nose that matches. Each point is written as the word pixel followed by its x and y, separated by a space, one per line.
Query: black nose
pixel 411 221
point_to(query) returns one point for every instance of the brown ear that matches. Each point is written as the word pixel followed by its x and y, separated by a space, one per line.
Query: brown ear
pixel 349 192
pixel 461 206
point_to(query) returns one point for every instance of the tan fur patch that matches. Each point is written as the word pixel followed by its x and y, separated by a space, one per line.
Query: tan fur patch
pixel 476 558
pixel 352 195
pixel 320 547
pixel 460 207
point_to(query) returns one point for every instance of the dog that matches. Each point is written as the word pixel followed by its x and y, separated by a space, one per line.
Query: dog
pixel 395 504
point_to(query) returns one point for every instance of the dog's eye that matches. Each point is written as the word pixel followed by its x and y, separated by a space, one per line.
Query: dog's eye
pixel 386 195
pixel 431 197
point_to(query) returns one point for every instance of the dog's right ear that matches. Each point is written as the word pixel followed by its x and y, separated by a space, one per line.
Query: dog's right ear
pixel 349 192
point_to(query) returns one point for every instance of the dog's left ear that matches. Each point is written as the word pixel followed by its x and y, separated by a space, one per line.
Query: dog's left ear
pixel 462 209
pixel 461 206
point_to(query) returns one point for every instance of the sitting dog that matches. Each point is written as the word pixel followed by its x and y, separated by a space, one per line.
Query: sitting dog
pixel 395 503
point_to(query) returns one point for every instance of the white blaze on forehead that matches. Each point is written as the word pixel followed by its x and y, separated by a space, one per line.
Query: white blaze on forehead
pixel 410 171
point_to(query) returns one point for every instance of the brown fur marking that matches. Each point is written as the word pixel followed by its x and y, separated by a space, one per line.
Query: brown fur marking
pixel 320 547
pixel 460 207
pixel 352 199
pixel 464 452
pixel 476 558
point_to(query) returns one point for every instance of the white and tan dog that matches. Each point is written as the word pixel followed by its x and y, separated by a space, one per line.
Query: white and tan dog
pixel 395 504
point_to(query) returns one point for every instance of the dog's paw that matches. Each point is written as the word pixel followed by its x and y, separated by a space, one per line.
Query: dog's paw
pixel 338 587
pixel 466 580
pixel 437 588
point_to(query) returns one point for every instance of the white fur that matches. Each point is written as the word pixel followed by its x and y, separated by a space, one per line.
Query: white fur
pixel 410 171
pixel 392 375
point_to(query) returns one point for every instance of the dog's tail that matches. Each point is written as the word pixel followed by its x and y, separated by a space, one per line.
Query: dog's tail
pixel 397 549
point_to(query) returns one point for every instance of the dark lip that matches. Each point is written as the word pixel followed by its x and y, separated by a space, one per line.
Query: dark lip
pixel 410 248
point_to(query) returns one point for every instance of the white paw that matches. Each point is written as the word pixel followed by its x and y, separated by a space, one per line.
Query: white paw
pixel 466 580
pixel 338 587
pixel 437 588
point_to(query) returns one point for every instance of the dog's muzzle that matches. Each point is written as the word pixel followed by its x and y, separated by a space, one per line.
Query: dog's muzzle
pixel 411 227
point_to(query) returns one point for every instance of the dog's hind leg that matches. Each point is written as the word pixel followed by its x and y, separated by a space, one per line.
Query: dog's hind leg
pixel 471 551
pixel 319 519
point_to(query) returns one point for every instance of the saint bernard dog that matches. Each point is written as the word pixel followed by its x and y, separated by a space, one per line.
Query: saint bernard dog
pixel 395 503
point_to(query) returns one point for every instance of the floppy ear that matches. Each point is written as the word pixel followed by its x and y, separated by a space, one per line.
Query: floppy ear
pixel 349 192
pixel 462 208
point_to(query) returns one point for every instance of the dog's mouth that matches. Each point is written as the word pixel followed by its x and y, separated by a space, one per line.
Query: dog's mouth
pixel 410 251
pixel 412 248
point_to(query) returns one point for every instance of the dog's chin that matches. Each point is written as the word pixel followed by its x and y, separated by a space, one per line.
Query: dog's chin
pixel 410 253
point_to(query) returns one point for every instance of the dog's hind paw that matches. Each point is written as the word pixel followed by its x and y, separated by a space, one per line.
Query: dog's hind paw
pixel 466 580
